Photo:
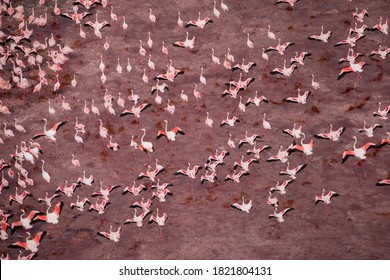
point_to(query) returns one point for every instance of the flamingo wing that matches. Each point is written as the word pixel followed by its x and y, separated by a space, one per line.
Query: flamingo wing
pixel 19 244
pixel 38 237
pixel 346 154
pixel 344 71
pixel 38 135
pixel 58 207
pixel 284 211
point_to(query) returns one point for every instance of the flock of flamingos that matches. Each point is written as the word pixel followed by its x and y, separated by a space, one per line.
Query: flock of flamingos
pixel 32 65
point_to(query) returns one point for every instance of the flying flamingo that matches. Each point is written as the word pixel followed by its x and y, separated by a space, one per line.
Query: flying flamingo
pixel 50 134
pixel 360 153
pixel 279 216
pixel 137 218
pixel 245 207
pixel 30 244
pixel 52 217
pixel 112 235
pixel 325 197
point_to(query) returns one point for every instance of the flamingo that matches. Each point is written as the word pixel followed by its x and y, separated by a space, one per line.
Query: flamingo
pixel 292 172
pixel 215 10
pixel 273 201
pixel 359 30
pixel 137 218
pixel 19 197
pixel 79 204
pixel 75 16
pixel 86 181
pixel 152 17
pixel 353 67
pixel 187 43
pixel 199 23
pixel 324 37
pixel 162 186
pixel 244 164
pixel 134 190
pixel 307 149
pixel 106 45
pixel 214 58
pixel 295 132
pixel 113 145
pixel 103 131
pixel 333 135
pixel 230 142
pixel 45 175
pixel 25 221
pixel 105 192
pixel 8 132
pixel 171 134
pixel 244 67
pixel 189 172
pixel 382 27
pixel 118 67
pixel 52 217
pixel 314 84
pixel 382 52
pixel 160 220
pixel 144 205
pixel 281 187
pixel 350 40
pixel 179 20
pixel 256 100
pixel 270 34
pixel 219 157
pixel 298 58
pixel 112 235
pixel 257 151
pixel 285 71
pixel 249 43
pixel 145 145
pixel 47 199
pixel 208 122
pixel 369 131
pixel 382 113
pixel 161 195
pixel 360 153
pixel 325 197
pixel 266 124
pixel 300 99
pixel 279 216
pixel 150 42
pixel 19 127
pixel 30 244
pixel 359 16
pixel 229 56
pixel 251 140
pixel 99 206
pixel 245 207
pixel 211 177
pixel 224 7
pixel 235 177
pixel 68 191
pixel 282 155
pixel 229 121
pixel 151 174
pixel 97 26
pixel 113 16
pixel 280 48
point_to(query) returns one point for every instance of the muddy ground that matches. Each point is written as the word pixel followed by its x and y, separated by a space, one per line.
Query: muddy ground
pixel 201 223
